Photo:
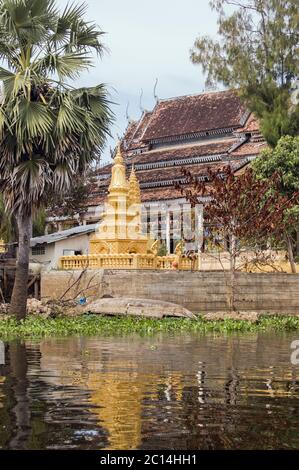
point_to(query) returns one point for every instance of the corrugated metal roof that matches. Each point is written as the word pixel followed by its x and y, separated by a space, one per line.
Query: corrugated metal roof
pixel 54 237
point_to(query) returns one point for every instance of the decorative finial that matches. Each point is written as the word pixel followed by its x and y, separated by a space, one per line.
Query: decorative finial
pixel 133 173
pixel 134 188
pixel 155 91
pixel 118 177
pixel 118 157
pixel 140 102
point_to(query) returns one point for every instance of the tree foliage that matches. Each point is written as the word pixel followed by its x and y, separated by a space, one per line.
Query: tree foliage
pixel 7 225
pixel 8 228
pixel 282 160
pixel 244 207
pixel 257 51
pixel 74 202
pixel 245 210
pixel 49 131
pixel 39 223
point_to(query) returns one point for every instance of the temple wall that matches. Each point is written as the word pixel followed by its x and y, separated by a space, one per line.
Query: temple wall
pixel 197 291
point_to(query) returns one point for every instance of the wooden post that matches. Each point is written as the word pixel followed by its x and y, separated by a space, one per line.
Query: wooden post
pixel 4 282
pixel 168 230
pixel 36 289
pixel 200 234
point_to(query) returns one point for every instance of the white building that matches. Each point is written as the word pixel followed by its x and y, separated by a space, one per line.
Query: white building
pixel 48 249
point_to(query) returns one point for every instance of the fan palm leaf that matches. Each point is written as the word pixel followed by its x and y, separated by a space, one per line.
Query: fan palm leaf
pixel 49 131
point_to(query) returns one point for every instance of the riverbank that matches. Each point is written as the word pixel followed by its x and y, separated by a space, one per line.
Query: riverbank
pixel 93 325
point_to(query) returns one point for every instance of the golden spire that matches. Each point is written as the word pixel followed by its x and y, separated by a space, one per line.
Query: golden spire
pixel 118 178
pixel 118 159
pixel 134 188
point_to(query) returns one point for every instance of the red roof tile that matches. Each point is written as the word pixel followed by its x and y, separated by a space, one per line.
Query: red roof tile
pixel 173 172
pixel 194 114
pixel 134 133
pixel 157 177
pixel 249 149
pixel 160 194
pixel 252 125
pixel 177 117
pixel 184 151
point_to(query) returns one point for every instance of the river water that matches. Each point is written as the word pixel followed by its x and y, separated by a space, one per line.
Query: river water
pixel 164 392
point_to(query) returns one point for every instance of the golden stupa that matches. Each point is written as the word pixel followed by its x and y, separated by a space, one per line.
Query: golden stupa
pixel 120 230
pixel 119 243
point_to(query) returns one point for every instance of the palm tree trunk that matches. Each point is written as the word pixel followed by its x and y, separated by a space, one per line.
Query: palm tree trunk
pixel 291 254
pixel 19 293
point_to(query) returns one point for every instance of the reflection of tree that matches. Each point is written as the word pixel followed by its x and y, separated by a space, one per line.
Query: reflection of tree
pixel 21 410
pixel 231 387
pixel 201 376
pixel 37 414
pixel 60 418
pixel 6 403
pixel 226 405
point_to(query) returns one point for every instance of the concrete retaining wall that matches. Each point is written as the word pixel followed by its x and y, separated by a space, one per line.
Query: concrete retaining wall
pixel 198 291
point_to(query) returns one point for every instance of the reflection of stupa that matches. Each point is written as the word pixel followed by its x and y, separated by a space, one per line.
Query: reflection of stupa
pixel 2 246
pixel 120 230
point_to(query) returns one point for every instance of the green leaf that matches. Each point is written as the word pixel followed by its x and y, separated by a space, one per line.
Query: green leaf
pixel 42 118
pixel 74 12
pixel 70 117
pixel 34 118
pixel 68 65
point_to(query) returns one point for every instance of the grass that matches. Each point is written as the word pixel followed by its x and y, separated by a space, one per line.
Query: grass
pixel 92 325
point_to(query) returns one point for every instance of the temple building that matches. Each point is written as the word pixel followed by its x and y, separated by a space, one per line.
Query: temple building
pixel 195 132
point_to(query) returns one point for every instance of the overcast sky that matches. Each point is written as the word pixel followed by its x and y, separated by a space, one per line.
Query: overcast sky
pixel 147 40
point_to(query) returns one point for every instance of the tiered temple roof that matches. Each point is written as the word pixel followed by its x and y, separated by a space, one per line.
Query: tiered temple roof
pixel 195 132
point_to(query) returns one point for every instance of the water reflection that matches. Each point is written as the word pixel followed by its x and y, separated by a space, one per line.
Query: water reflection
pixel 183 392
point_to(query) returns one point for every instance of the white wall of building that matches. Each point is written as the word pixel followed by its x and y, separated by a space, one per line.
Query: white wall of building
pixel 45 259
pixel 78 243
pixel 54 251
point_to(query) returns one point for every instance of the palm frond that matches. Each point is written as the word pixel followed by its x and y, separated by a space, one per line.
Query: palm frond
pixel 49 132
pixel 34 120
pixel 7 232
pixel 8 79
pixel 70 117
pixel 7 53
pixel 72 15
pixel 42 8
pixel 63 175
pixel 68 65
pixel 74 12
pixel 85 36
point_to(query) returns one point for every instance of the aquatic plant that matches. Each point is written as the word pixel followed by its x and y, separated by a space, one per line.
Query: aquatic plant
pixel 93 325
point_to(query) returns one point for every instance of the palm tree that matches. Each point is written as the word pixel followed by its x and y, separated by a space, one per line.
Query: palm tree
pixel 49 130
